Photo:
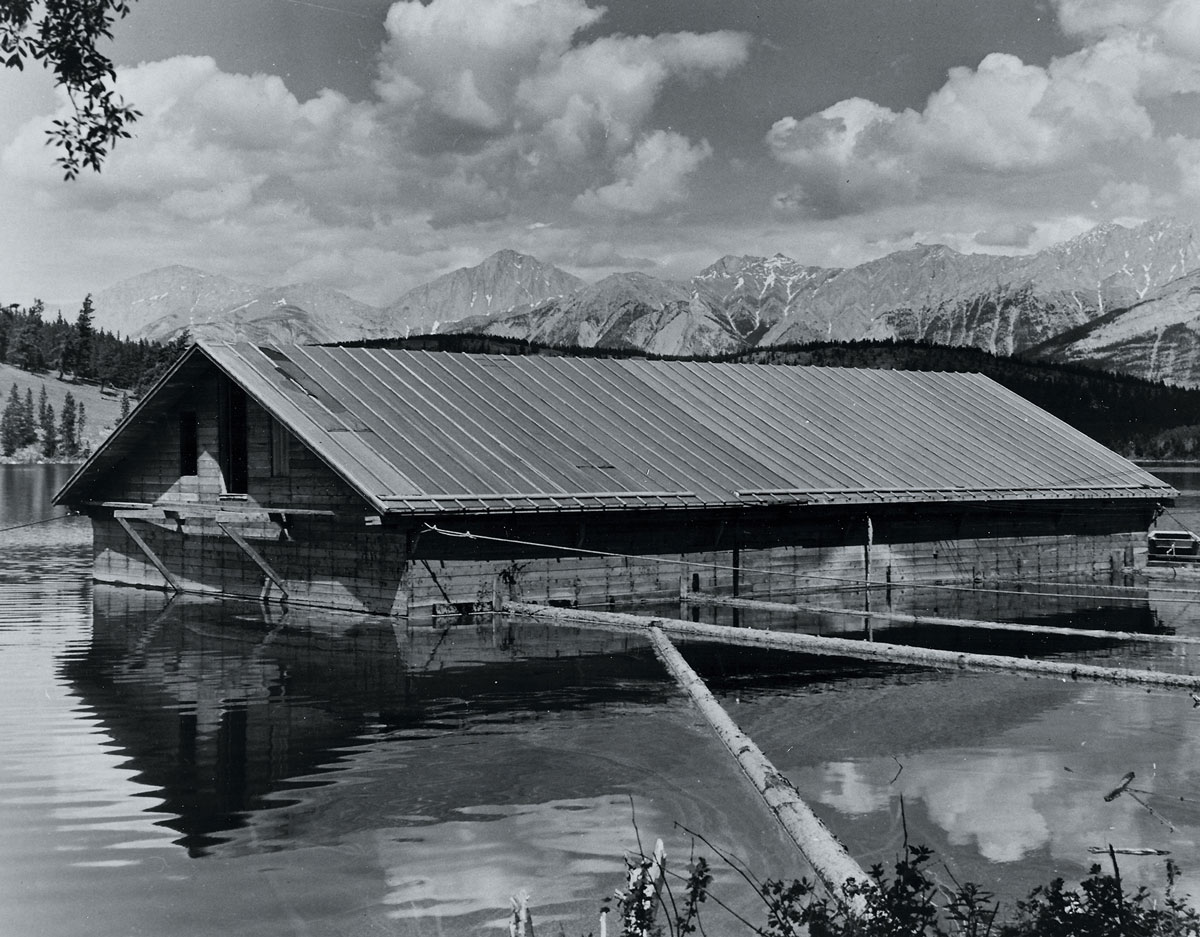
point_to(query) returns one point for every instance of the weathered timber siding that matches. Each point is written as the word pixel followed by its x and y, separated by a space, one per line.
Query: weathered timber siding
pixel 778 554
pixel 324 565
pixel 154 475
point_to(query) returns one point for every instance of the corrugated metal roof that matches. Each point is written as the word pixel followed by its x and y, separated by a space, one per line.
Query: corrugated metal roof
pixel 430 432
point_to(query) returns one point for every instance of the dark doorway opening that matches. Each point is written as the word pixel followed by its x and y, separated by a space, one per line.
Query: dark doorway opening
pixel 233 448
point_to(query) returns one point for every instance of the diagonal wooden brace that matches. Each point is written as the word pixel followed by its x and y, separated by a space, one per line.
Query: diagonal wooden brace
pixel 256 556
pixel 150 554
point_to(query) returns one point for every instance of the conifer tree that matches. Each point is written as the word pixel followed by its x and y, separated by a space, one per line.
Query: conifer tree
pixel 68 440
pixel 64 351
pixel 85 337
pixel 49 433
pixel 10 421
pixel 81 445
pixel 125 405
pixel 28 419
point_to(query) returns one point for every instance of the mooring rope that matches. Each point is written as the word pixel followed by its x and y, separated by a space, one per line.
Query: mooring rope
pixel 44 520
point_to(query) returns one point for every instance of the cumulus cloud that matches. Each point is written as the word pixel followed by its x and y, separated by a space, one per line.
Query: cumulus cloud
pixel 483 110
pixel 653 176
pixel 1176 23
pixel 846 157
pixel 210 142
pixel 477 100
pixel 1004 126
pixel 505 88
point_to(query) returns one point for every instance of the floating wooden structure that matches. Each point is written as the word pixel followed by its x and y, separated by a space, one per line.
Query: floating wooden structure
pixel 860 650
pixel 828 857
pixel 1146 637
pixel 318 475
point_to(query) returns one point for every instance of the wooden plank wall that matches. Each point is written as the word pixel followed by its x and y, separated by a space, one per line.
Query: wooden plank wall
pixel 154 475
pixel 325 565
pixel 386 570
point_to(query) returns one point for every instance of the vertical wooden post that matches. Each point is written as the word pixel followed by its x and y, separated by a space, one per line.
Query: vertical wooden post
pixel 867 544
pixel 737 565
pixel 868 628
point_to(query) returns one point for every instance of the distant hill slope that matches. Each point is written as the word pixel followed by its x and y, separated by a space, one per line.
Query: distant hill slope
pixel 103 409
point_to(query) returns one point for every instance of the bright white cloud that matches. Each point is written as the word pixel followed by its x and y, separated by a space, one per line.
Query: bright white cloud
pixel 485 110
pixel 209 142
pixel 504 87
pixel 1093 18
pixel 846 158
pixel 1015 133
pixel 653 176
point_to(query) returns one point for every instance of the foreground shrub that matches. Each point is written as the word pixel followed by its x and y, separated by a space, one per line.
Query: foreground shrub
pixel 908 902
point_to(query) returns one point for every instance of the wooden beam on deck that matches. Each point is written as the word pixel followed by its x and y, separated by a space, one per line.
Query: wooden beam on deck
pixel 150 554
pixel 860 650
pixel 828 857
pixel 708 598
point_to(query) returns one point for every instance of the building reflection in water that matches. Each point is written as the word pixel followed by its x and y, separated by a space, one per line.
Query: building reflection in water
pixel 232 708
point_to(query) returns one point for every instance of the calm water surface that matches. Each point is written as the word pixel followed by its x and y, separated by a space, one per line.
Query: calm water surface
pixel 194 767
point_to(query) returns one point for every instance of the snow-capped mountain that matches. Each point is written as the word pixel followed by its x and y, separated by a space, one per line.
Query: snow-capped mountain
pixel 932 293
pixel 504 281
pixel 1002 304
pixel 625 310
pixel 1065 301
pixel 1157 338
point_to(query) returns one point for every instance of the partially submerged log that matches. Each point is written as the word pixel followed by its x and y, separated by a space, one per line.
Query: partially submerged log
pixel 861 650
pixel 708 598
pixel 828 857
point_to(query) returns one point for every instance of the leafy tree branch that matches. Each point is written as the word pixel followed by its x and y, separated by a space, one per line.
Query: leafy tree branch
pixel 62 35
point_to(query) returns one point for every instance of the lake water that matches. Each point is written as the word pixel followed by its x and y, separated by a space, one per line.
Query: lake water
pixel 198 767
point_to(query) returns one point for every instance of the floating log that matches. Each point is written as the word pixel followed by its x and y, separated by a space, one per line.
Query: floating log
pixel 1127 851
pixel 861 650
pixel 708 598
pixel 828 857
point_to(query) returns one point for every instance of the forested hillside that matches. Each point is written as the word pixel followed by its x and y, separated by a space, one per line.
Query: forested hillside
pixel 64 385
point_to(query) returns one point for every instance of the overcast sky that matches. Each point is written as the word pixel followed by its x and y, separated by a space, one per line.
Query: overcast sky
pixel 371 146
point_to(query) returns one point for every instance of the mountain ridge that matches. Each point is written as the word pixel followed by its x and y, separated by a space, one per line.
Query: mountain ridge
pixel 1002 303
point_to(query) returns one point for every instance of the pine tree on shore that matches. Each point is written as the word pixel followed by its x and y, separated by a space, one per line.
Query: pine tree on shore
pixel 68 440
pixel 28 420
pixel 49 433
pixel 10 421
pixel 85 336
pixel 81 446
